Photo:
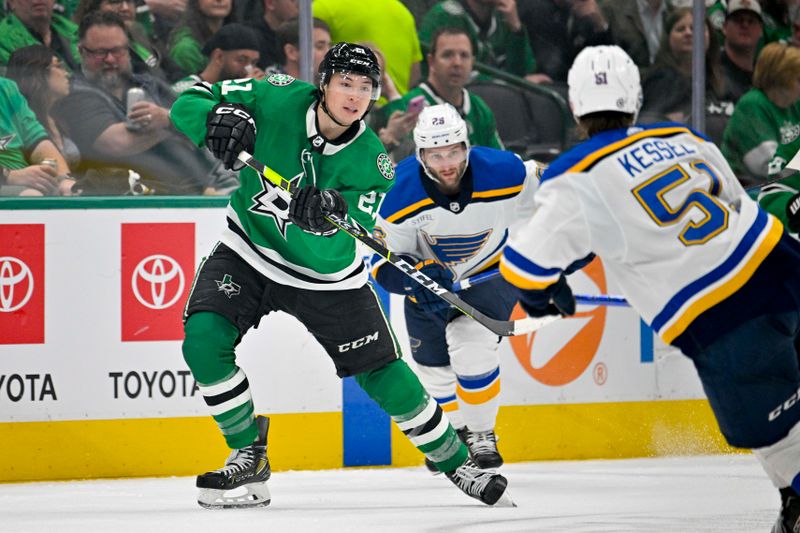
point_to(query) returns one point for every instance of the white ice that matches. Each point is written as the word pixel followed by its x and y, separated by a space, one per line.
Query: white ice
pixel 727 493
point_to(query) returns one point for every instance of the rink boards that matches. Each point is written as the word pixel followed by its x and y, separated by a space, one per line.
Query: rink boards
pixel 93 383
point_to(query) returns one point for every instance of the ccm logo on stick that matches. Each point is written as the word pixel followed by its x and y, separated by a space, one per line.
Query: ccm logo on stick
pixel 358 343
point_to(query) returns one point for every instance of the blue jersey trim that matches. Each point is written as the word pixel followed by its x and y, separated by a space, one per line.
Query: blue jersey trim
pixel 574 156
pixel 700 284
pixel 525 264
pixel 496 175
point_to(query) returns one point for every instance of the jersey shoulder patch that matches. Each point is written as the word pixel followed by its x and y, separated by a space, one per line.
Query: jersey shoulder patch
pixel 385 166
pixel 407 196
pixel 280 80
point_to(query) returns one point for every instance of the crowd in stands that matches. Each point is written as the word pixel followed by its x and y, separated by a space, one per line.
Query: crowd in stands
pixel 67 67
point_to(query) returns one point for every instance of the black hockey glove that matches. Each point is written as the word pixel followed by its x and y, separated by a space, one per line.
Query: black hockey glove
pixel 309 206
pixel 229 130
pixel 793 213
pixel 557 299
pixel 425 299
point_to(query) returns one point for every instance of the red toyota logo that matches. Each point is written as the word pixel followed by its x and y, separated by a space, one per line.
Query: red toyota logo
pixel 16 284
pixel 158 281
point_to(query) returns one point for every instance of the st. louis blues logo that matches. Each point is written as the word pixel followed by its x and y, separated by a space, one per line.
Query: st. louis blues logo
pixel 454 249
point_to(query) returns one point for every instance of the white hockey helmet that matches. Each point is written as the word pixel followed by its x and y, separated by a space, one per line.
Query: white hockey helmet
pixel 604 78
pixel 439 125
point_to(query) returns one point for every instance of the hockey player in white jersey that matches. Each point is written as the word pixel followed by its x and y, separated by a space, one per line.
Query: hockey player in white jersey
pixel 450 212
pixel 711 272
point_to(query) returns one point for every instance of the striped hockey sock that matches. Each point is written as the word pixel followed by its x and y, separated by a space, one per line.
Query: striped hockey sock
pixel 231 406
pixel 400 394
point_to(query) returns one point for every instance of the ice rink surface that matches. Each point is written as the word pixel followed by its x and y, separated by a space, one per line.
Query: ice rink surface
pixel 683 494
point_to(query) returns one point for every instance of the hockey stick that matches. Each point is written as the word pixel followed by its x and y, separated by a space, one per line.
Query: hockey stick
pixel 589 299
pixel 503 328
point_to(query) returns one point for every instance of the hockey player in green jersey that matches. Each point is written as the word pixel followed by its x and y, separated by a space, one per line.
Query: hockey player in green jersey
pixel 279 253
pixel 781 194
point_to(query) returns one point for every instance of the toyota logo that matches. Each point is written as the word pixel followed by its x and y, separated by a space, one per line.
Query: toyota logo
pixel 14 274
pixel 157 271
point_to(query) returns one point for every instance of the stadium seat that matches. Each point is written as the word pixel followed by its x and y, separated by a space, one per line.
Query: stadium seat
pixel 529 123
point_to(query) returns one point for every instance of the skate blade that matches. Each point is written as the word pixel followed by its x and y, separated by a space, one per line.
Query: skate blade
pixel 505 500
pixel 255 495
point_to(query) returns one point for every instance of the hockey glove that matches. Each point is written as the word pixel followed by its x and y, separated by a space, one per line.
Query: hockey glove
pixel 793 214
pixel 309 206
pixel 425 299
pixel 229 130
pixel 557 299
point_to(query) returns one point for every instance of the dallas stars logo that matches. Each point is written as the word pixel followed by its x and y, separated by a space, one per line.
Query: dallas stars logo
pixel 385 166
pixel 280 80
pixel 228 286
pixel 273 202
pixel 5 141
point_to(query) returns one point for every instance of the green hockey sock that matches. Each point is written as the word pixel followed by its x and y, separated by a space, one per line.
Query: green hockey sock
pixel 399 392
pixel 209 351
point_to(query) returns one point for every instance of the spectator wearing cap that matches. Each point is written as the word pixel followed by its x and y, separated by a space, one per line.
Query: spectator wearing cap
pixel 276 12
pixel 289 37
pixel 31 23
pixel 743 28
pixel 232 54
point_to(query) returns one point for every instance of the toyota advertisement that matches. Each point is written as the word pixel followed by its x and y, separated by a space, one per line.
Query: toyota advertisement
pixel 91 305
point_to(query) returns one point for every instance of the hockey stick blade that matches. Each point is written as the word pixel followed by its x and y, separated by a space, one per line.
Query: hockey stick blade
pixel 504 328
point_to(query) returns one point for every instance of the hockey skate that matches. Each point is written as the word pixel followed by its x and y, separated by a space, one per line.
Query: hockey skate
pixel 488 487
pixel 431 466
pixel 789 519
pixel 242 482
pixel 483 449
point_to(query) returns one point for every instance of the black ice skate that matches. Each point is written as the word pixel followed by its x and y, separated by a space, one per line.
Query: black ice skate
pixel 488 487
pixel 483 449
pixel 247 469
pixel 431 466
pixel 789 519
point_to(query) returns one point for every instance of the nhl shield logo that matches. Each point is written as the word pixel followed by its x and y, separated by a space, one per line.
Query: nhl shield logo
pixel 455 207
pixel 280 80
pixel 385 166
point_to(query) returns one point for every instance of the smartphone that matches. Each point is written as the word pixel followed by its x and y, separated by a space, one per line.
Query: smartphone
pixel 416 104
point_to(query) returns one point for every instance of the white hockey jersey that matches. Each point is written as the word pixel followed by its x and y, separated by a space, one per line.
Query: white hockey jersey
pixel 466 233
pixel 662 208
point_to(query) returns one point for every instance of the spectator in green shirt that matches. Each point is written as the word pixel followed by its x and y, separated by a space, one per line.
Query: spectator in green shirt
pixel 766 116
pixel 450 63
pixel 494 27
pixel 30 23
pixel 24 150
pixel 203 18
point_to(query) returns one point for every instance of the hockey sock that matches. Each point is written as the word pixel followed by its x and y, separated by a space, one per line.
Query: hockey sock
pixel 479 398
pixel 209 351
pixel 398 391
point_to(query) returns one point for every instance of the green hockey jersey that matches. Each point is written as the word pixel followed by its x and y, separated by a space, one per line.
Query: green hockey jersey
pixel 288 141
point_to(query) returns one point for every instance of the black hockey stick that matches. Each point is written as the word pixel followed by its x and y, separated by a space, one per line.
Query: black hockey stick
pixel 503 328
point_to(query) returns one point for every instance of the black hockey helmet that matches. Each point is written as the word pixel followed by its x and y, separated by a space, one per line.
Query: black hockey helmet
pixel 349 57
